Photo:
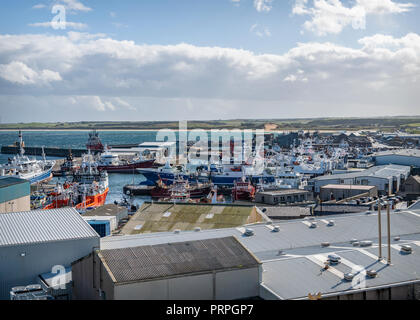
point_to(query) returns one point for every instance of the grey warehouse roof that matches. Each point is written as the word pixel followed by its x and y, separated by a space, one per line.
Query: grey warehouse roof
pixel 41 226
pixel 402 152
pixel 172 259
pixel 386 171
pixel 293 257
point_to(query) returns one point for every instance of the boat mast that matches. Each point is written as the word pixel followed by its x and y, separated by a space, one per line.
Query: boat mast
pixel 21 149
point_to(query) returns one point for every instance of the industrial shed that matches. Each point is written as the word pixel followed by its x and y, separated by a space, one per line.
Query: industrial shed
pixel 161 217
pixel 109 210
pixel 292 255
pixel 388 178
pixel 404 157
pixel 411 188
pixel 14 195
pixel 285 196
pixel 345 191
pixel 33 242
pixel 220 268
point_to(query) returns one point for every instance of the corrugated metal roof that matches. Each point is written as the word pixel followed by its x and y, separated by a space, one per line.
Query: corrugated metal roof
pixel 288 256
pixel 402 152
pixel 172 259
pixel 293 234
pixel 385 171
pixel 296 277
pixel 43 226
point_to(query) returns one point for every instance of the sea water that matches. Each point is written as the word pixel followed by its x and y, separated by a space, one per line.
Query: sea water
pixel 77 140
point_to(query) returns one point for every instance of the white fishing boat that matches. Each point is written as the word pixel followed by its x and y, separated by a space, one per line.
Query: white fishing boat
pixel 30 169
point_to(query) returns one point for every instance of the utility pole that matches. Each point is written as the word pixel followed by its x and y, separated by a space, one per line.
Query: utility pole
pixel 389 232
pixel 380 230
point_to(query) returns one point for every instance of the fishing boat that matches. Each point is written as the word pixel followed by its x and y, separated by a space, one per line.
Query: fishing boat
pixel 243 190
pixel 69 165
pixel 31 169
pixel 94 143
pixel 85 188
pixel 168 174
pixel 180 188
pixel 113 164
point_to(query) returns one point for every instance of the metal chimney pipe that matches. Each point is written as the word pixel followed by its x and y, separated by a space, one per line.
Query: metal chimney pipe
pixel 389 232
pixel 380 230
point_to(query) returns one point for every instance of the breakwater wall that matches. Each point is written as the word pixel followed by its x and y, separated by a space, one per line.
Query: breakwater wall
pixel 50 152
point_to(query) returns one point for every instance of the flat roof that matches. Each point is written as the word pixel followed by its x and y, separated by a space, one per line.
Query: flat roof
pixel 347 187
pixel 401 152
pixel 10 181
pixel 161 217
pixel 385 171
pixel 106 210
pixel 285 211
pixel 40 226
pixel 292 257
pixel 283 192
pixel 297 276
pixel 175 259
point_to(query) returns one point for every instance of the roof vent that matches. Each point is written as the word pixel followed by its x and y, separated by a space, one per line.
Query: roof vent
pixel 276 229
pixel 365 243
pixel 176 231
pixel 334 259
pixel 349 276
pixel 406 249
pixel 397 238
pixel 331 223
pixel 197 229
pixel 248 232
pixel 325 244
pixel 371 273
pixel 313 225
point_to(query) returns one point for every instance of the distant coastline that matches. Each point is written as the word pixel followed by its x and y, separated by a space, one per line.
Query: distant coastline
pixel 387 124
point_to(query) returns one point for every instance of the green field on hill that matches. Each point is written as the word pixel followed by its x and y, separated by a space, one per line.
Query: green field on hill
pixel 409 124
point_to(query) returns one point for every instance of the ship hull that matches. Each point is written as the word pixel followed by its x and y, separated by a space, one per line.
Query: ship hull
pixel 242 195
pixel 168 178
pixel 97 200
pixel 45 176
pixel 129 168
pixel 91 201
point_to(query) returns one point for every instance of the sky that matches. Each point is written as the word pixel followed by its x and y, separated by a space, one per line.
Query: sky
pixel 109 60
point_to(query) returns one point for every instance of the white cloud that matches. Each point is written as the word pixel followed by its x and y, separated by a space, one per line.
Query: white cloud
pixel 263 5
pixel 71 25
pixel 332 16
pixel 74 5
pixel 39 6
pixel 260 31
pixel 112 75
pixel 19 73
pixel 124 104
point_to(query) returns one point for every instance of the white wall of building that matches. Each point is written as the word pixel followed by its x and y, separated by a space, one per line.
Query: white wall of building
pixel 16 205
pixel 397 159
pixel 234 284
pixel 20 265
